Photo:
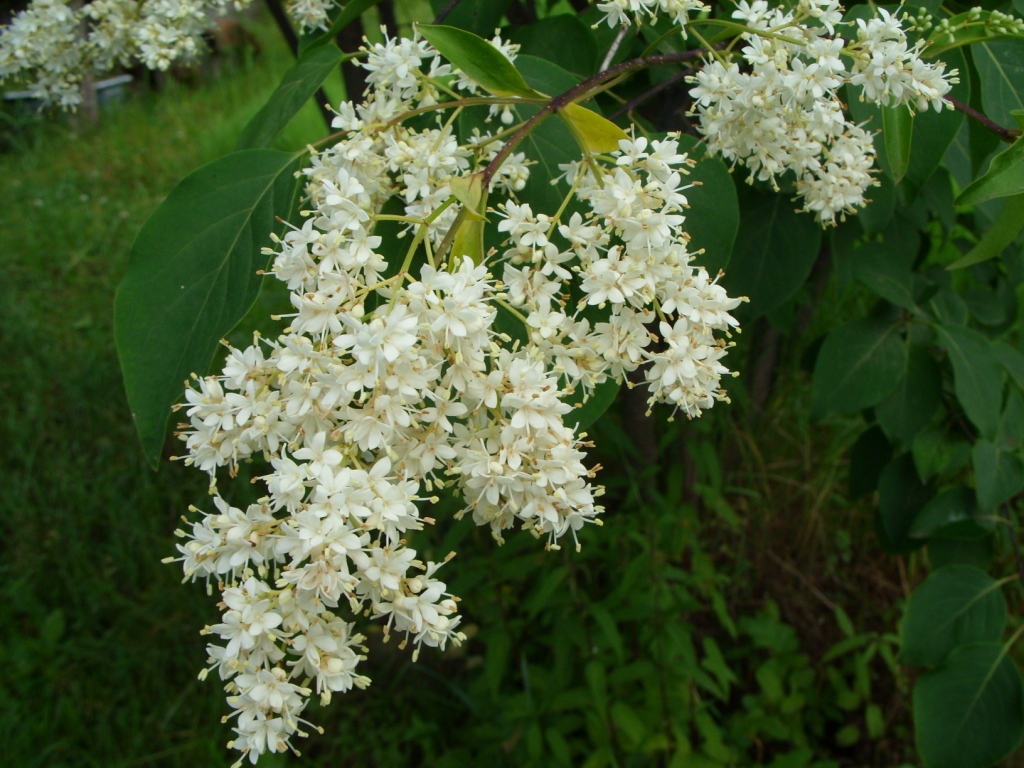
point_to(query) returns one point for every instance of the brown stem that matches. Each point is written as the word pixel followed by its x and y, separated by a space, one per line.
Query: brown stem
pixel 580 93
pixel 1009 135
pixel 439 19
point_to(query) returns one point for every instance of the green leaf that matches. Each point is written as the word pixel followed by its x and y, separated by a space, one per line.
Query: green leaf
pixel 917 397
pixel 955 605
pixel 593 133
pixel 876 215
pixel 713 218
pixel 885 273
pixel 469 190
pixel 1012 360
pixel 586 412
pixel 353 10
pixel 898 129
pixel 479 16
pixel 1005 177
pixel 976 552
pixel 936 450
pixel 968 712
pixel 951 515
pixel 1000 67
pixel 297 86
pixel 998 475
pixel 1004 230
pixel 901 496
pixel 192 276
pixel 478 59
pixel 868 457
pixel 859 364
pixel 977 376
pixel 562 39
pixel 776 247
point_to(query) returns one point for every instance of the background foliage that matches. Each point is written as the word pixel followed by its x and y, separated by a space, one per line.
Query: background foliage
pixel 736 608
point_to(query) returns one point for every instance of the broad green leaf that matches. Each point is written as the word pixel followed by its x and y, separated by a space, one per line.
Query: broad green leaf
pixel 469 190
pixel 479 16
pixel 586 411
pixel 954 606
pixel 592 132
pixel 917 397
pixel 976 552
pixel 977 376
pixel 478 59
pixel 469 239
pixel 1011 422
pixel 713 218
pixel 948 307
pixel 563 39
pixel 859 364
pixel 1012 360
pixel 937 448
pixel 951 515
pixel 884 272
pixel 968 712
pixel 1000 67
pixel 297 87
pixel 876 215
pixel 898 130
pixel 973 29
pixel 998 475
pixel 869 456
pixel 994 304
pixel 776 247
pixel 192 276
pixel 352 10
pixel 1004 231
pixel 1005 177
pixel 901 497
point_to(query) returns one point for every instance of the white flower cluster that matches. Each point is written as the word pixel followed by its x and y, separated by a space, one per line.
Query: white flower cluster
pixel 779 109
pixel 621 11
pixel 396 378
pixel 53 44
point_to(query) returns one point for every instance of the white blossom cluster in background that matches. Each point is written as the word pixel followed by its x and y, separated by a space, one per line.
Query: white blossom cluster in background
pixel 778 109
pixel 395 378
pixel 52 45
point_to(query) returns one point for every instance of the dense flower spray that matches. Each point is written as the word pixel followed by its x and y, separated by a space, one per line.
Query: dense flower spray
pixel 396 377
pixel 778 108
